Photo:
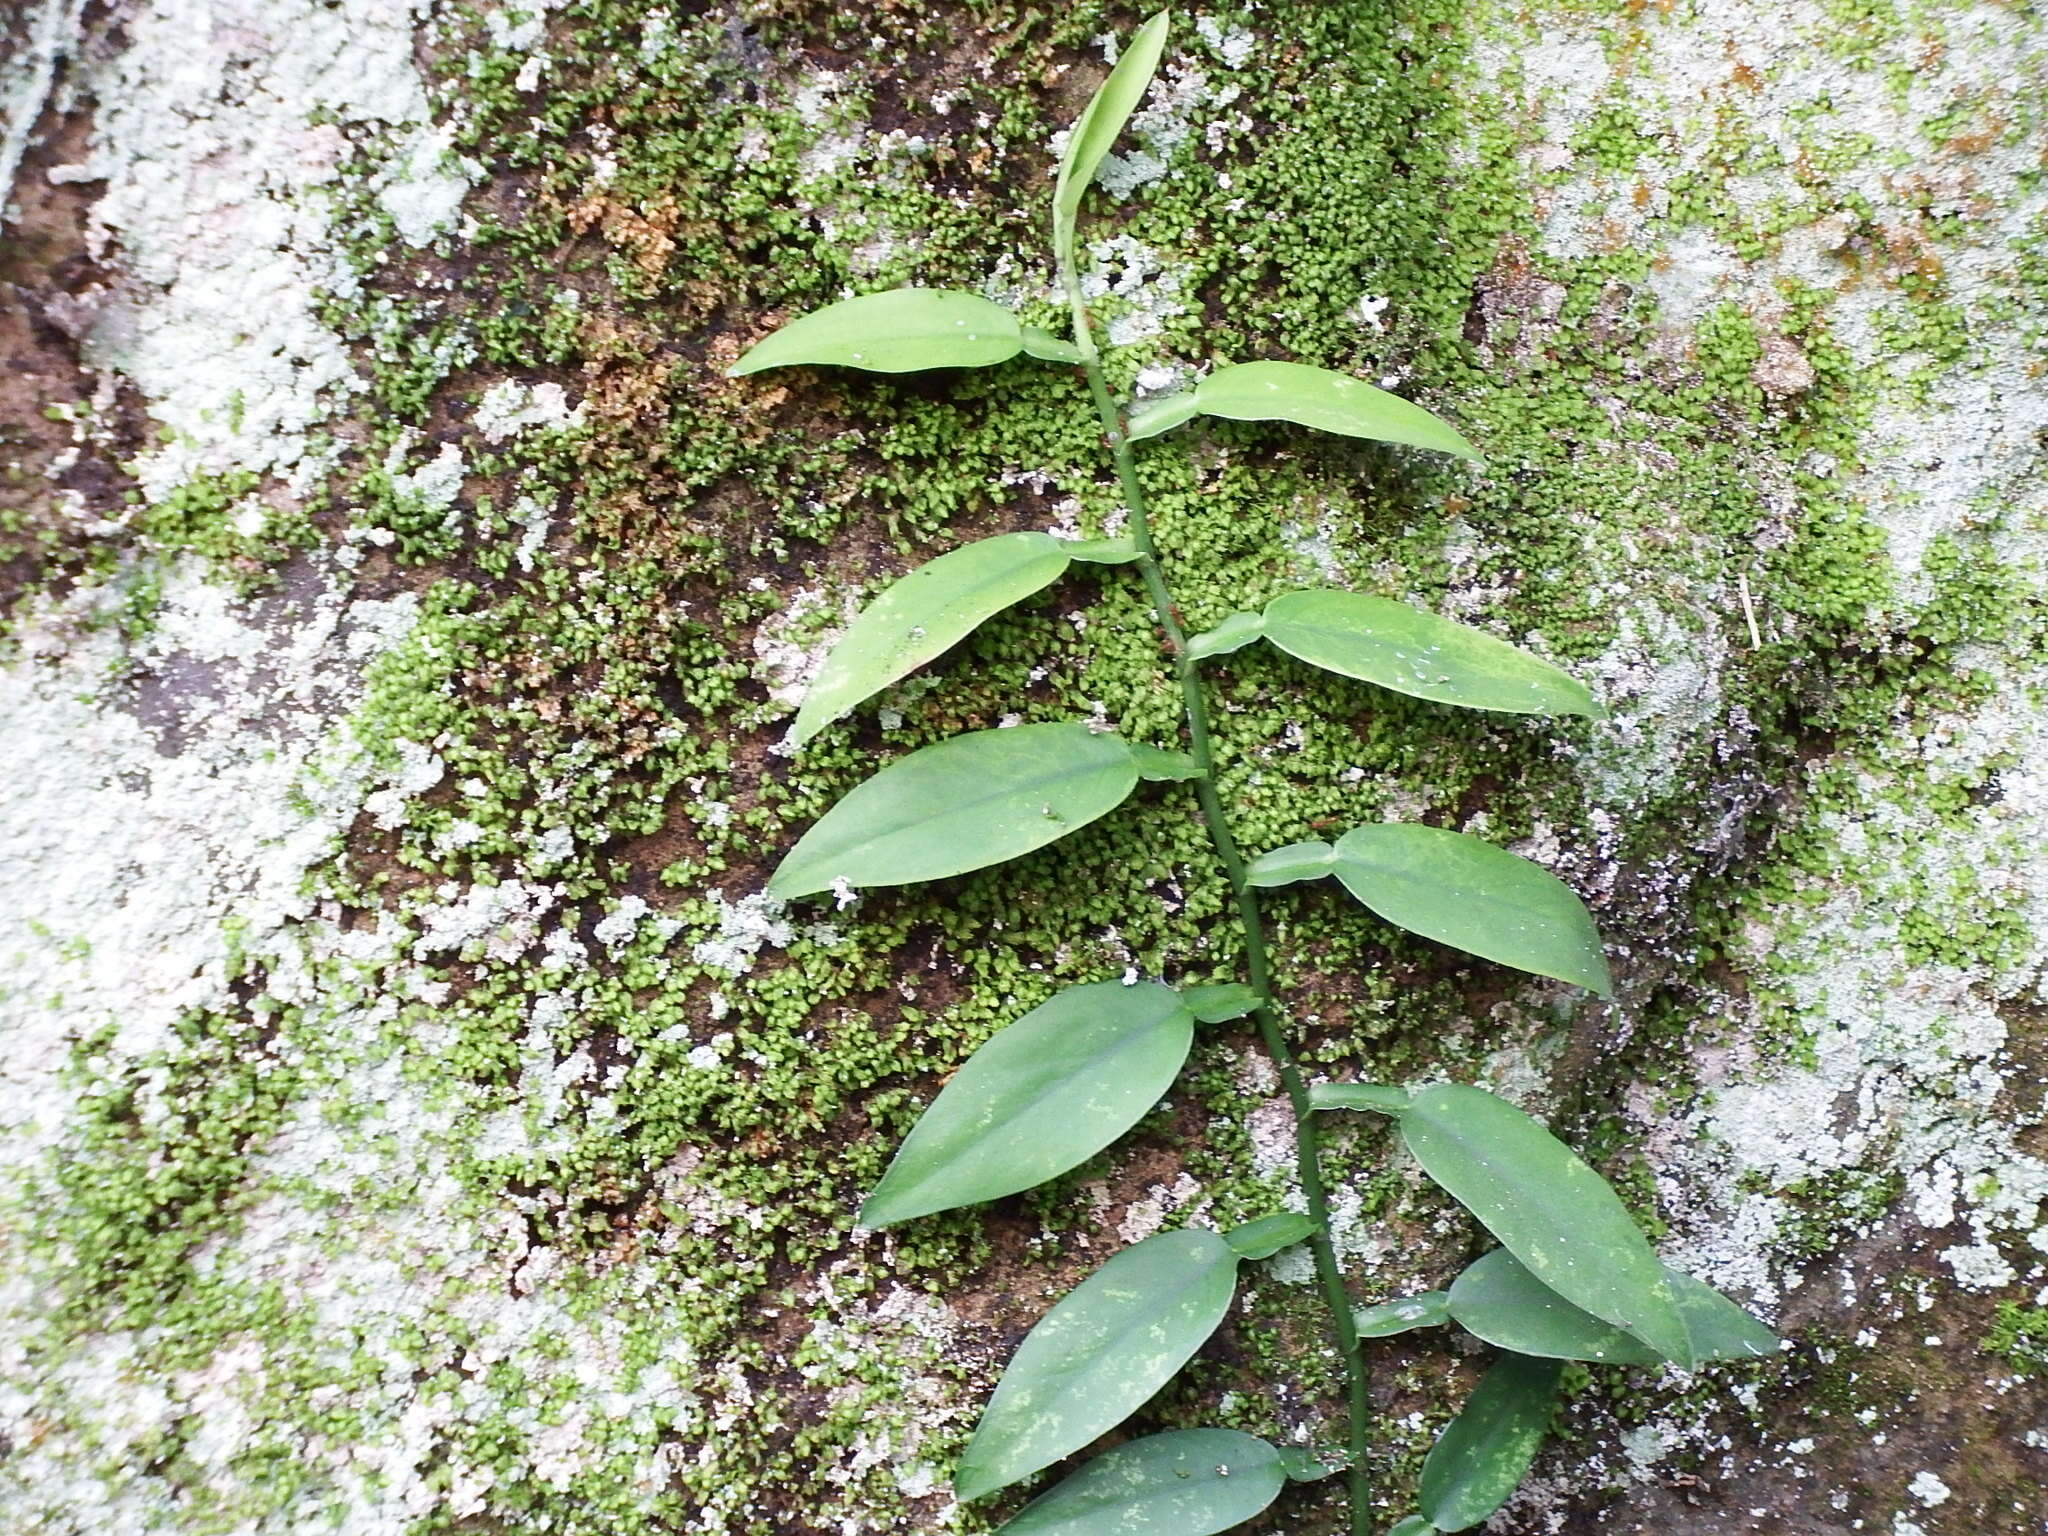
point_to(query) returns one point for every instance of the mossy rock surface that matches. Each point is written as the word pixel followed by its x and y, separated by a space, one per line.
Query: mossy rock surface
pixel 415 1120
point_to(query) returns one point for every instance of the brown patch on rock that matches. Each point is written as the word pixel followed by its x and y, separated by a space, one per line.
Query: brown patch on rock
pixel 1783 370
pixel 64 431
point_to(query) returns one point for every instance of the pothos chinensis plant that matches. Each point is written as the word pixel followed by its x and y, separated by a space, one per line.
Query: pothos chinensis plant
pixel 1573 1277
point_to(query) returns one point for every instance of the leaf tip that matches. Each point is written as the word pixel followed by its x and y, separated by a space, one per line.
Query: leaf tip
pixel 971 1482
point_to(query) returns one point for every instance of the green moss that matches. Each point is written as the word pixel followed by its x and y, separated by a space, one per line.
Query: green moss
pixel 2019 1335
pixel 595 709
pixel 221 519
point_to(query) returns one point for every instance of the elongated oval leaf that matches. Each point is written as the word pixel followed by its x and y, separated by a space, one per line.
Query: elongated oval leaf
pixel 1497 1299
pixel 901 331
pixel 1311 1464
pixel 1465 892
pixel 1329 402
pixel 1431 1309
pixel 1718 1328
pixel 1548 1208
pixel 1235 633
pixel 961 805
pixel 1411 1525
pixel 925 614
pixel 1376 1097
pixel 1149 418
pixel 1186 1482
pixel 1043 1095
pixel 1221 1002
pixel 1094 1359
pixel 1047 347
pixel 1381 641
pixel 1265 1237
pixel 1296 861
pixel 1484 1453
pixel 1102 551
pixel 1100 123
pixel 1161 766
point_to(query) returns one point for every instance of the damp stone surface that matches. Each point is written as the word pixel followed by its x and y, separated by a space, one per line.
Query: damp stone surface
pixel 415 1118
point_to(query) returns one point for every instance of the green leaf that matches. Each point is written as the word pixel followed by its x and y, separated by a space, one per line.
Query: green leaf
pixel 1149 418
pixel 1329 402
pixel 1296 861
pixel 1186 1482
pixel 1484 1453
pixel 1718 1328
pixel 1102 551
pixel 1467 893
pixel 1265 1237
pixel 1429 1310
pixel 1041 1096
pixel 1375 1097
pixel 925 614
pixel 961 805
pixel 1548 1208
pixel 1094 1359
pixel 1220 1003
pixel 1412 1525
pixel 1233 634
pixel 1160 766
pixel 1381 641
pixel 1047 347
pixel 1098 127
pixel 1305 1464
pixel 901 331
pixel 1497 1299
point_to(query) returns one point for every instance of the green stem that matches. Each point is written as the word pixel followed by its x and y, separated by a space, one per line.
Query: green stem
pixel 1194 706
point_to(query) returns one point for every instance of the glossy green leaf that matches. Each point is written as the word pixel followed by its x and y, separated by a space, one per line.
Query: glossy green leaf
pixel 1233 634
pixel 1047 347
pixel 1149 418
pixel 1095 1358
pixel 1548 1208
pixel 1296 861
pixel 1043 1095
pixel 925 614
pixel 1186 1482
pixel 1222 1002
pixel 1098 127
pixel 1484 1453
pixel 1375 1097
pixel 1265 1237
pixel 1381 641
pixel 1412 1525
pixel 1498 1300
pixel 1161 766
pixel 1102 551
pixel 1465 892
pixel 900 331
pixel 1431 1309
pixel 1329 402
pixel 962 805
